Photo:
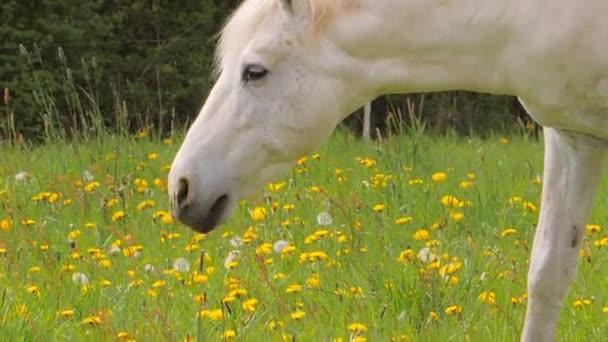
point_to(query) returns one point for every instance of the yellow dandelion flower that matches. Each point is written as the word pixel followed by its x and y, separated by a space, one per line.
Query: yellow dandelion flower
pixel 605 309
pixel 117 216
pixel 508 231
pixel 314 282
pixel 451 201
pixel 593 228
pixel 66 314
pixel 403 220
pixel 439 177
pixel 487 297
pixel 92 320
pixel 379 207
pixel 504 140
pixel 529 206
pixel 579 303
pixel 250 304
pixel 293 288
pixel 416 181
pixel 228 334
pixel 421 234
pixel 258 213
pixel 357 328
pixel 406 256
pixel 453 310
pixel 433 315
pixel 6 224
pixel 465 184
pixel 297 315
pixel 457 216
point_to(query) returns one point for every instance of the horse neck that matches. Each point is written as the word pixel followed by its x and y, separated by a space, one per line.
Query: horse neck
pixel 422 45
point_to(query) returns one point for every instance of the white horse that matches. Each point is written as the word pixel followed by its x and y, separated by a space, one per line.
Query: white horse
pixel 289 71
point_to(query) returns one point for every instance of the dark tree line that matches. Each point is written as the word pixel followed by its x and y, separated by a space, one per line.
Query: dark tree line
pixel 140 62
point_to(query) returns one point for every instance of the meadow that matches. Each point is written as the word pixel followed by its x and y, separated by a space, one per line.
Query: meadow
pixel 415 238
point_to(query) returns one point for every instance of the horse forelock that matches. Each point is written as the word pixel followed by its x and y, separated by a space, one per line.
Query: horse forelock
pixel 248 17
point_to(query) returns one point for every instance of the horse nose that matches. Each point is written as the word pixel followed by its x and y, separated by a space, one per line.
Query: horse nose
pixel 200 213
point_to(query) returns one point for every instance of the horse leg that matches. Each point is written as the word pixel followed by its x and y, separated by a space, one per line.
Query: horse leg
pixel 573 166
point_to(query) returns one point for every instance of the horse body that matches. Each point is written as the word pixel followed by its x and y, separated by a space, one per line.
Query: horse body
pixel 289 71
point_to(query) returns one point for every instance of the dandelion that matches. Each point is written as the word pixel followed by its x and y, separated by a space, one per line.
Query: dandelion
pixel 297 315
pixel 6 224
pixel 314 282
pixel 403 220
pixel 357 328
pixel 508 231
pixel 451 201
pixel 293 289
pixel 378 207
pixel 579 303
pixel 117 216
pixel 439 177
pixel 487 297
pixel 21 177
pixel 504 140
pixel 228 334
pixel 250 304
pixel 529 206
pixel 593 229
pixel 406 256
pixel 65 314
pixel 421 234
pixel 457 216
pixel 92 320
pixel 258 213
pixel 453 310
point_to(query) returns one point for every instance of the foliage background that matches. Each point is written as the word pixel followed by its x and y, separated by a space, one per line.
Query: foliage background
pixel 147 63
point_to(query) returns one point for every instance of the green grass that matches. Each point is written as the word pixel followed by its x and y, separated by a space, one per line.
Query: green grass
pixel 133 291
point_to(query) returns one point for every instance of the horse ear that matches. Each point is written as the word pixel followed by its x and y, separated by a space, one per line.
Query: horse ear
pixel 299 9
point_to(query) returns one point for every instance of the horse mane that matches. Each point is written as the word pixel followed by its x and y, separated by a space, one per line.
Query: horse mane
pixel 252 13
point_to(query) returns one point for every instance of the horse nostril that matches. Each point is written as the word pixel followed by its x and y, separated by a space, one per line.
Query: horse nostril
pixel 182 191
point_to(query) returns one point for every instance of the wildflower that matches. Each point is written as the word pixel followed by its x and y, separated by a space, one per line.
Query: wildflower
pixel 451 201
pixel 250 304
pixel 357 328
pixel 92 320
pixel 164 216
pixel 415 181
pixel 6 224
pixel 367 162
pixel 529 206
pixel 605 309
pixel 297 315
pixel 487 297
pixel 504 140
pixel 439 177
pixel 275 325
pixel 258 213
pixel 117 216
pixel 453 310
pixel 593 228
pixel 294 289
pixel 314 282
pixel 69 313
pixel 33 289
pixel 403 220
pixel 457 217
pixel 214 314
pixel 508 231
pixel 90 187
pixel 421 234
pixel 406 256
pixel 579 303
pixel 465 184
pixel 378 207
pixel 228 334
pixel 145 204
pixel 231 260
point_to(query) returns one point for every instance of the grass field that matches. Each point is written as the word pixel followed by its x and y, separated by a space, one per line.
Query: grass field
pixel 415 238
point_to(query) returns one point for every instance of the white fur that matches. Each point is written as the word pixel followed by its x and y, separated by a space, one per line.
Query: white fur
pixel 331 57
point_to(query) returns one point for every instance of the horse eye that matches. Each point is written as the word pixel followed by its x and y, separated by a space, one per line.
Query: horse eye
pixel 253 72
